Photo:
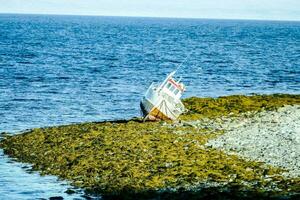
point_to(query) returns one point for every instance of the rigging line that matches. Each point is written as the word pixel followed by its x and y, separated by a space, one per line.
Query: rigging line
pixel 158 41
pixel 184 61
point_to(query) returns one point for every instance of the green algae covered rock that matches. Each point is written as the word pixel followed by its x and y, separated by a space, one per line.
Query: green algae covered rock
pixel 234 105
pixel 127 159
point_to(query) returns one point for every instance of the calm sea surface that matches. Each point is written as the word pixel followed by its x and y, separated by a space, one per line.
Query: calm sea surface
pixel 66 69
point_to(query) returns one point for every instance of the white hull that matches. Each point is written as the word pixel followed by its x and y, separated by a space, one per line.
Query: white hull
pixel 157 105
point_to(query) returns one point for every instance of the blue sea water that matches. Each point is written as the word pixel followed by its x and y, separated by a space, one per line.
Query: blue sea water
pixel 66 69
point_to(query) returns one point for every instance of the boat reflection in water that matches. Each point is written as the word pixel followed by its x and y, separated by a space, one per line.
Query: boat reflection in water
pixel 162 101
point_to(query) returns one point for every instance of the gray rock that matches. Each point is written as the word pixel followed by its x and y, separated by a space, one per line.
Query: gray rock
pixel 272 137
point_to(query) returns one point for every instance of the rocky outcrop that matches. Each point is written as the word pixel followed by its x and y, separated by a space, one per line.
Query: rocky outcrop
pixel 187 159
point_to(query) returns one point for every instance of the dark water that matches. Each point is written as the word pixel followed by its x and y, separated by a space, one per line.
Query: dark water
pixel 67 69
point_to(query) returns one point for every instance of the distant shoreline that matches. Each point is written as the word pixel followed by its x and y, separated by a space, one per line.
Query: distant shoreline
pixel 152 17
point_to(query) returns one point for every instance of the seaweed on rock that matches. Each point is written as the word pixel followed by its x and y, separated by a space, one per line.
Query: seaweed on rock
pixel 130 158
pixel 234 105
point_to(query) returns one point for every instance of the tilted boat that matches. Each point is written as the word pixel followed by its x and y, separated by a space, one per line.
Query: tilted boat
pixel 162 101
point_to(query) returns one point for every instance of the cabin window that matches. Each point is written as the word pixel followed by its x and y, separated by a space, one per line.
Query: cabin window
pixel 176 91
pixel 172 88
pixel 168 85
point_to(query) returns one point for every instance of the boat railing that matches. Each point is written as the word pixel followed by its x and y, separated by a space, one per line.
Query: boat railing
pixel 150 92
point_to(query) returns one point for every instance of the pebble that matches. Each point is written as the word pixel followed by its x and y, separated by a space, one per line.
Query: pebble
pixel 272 137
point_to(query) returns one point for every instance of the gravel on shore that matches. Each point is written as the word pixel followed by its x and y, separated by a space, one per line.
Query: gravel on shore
pixel 272 137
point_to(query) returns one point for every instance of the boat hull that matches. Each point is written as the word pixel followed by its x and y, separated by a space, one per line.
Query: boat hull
pixel 150 112
pixel 156 106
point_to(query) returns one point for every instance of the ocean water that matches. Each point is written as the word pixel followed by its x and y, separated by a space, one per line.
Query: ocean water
pixel 66 69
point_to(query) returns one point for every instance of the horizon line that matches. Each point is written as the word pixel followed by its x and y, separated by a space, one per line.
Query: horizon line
pixel 158 17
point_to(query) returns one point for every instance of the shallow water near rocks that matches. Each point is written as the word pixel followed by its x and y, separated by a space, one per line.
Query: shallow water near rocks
pixel 17 183
pixel 66 69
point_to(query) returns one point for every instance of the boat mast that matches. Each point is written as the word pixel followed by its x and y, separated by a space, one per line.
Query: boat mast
pixel 173 73
pixel 166 80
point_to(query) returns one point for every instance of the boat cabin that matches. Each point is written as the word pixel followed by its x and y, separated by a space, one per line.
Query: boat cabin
pixel 163 101
pixel 173 88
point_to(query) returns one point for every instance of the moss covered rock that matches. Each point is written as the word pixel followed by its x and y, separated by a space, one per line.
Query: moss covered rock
pixel 155 159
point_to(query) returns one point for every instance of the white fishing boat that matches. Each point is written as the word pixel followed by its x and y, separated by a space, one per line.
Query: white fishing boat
pixel 162 101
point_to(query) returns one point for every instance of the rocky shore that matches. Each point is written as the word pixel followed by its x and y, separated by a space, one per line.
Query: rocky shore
pixel 272 137
pixel 226 148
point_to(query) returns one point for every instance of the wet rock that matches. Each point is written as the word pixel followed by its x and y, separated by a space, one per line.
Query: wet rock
pixel 56 198
pixel 70 191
